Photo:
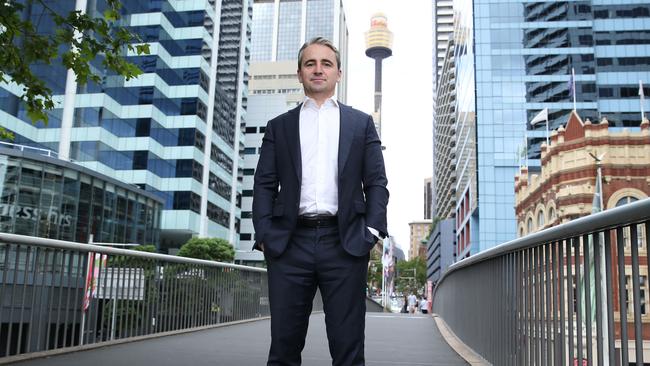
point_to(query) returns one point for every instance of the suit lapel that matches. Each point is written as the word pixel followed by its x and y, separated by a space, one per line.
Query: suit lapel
pixel 346 134
pixel 292 131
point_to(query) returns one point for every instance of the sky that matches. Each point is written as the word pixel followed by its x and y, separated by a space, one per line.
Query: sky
pixel 407 107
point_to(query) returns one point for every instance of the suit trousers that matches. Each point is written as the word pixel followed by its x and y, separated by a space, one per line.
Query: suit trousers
pixel 315 259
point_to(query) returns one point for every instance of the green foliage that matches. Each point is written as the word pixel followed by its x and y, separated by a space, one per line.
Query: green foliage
pixel 22 46
pixel 434 222
pixel 405 282
pixel 6 135
pixel 149 248
pixel 212 249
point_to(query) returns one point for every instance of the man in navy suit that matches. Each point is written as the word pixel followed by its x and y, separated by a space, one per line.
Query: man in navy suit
pixel 319 206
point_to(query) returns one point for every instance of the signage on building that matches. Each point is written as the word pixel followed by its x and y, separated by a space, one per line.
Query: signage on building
pixel 52 215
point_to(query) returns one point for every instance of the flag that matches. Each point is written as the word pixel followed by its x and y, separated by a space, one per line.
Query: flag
pixel 95 262
pixel 641 99
pixel 595 204
pixel 540 117
pixel 572 87
pixel 641 89
pixel 589 265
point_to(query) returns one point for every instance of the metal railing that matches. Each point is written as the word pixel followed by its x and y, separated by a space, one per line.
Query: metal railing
pixel 56 294
pixel 36 150
pixel 574 294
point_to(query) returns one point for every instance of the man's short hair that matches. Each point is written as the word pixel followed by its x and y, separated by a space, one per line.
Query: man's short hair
pixel 323 42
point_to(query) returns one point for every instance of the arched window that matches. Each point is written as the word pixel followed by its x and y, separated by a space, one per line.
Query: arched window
pixel 529 225
pixel 521 231
pixel 551 214
pixel 540 219
pixel 640 229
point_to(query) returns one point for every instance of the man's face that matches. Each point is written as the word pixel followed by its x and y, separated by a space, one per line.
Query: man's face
pixel 318 71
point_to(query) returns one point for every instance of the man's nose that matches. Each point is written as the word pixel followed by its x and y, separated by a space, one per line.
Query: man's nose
pixel 318 69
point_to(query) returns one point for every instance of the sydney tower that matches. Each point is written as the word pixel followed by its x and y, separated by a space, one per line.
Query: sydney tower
pixel 378 46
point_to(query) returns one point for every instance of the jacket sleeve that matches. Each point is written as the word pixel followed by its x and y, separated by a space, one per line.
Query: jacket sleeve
pixel 265 188
pixel 375 181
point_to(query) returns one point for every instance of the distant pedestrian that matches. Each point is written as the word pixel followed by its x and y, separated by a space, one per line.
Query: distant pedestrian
pixel 424 306
pixel 405 306
pixel 413 303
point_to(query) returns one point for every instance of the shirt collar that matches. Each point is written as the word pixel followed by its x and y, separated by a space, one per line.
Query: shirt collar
pixel 311 103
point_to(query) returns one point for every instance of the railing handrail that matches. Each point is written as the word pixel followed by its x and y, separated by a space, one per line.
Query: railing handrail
pixel 62 244
pixel 50 153
pixel 617 216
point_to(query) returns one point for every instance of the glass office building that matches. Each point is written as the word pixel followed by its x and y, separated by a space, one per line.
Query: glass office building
pixel 176 130
pixel 515 58
pixel 50 198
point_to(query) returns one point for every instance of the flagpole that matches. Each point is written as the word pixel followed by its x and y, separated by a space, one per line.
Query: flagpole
pixel 601 249
pixel 641 97
pixel 548 144
pixel 573 80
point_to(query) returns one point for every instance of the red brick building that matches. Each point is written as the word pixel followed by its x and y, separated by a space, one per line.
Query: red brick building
pixel 565 188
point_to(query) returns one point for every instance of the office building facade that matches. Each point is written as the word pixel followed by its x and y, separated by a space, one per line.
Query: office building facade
pixel 441 250
pixel 175 131
pixel 444 143
pixel 43 196
pixel 512 60
pixel 418 234
pixel 428 196
pixel 443 23
pixel 280 27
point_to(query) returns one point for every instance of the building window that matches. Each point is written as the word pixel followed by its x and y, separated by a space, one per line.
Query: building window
pixel 540 220
pixel 629 294
pixel 551 214
pixel 640 229
pixel 529 225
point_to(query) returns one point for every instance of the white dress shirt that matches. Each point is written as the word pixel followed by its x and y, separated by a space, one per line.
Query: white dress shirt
pixel 319 148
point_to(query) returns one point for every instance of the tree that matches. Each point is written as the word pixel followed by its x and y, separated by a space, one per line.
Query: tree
pixel 212 249
pixel 22 46
pixel 149 248
pixel 412 275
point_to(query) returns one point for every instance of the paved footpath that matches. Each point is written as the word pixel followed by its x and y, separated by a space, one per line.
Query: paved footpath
pixel 391 339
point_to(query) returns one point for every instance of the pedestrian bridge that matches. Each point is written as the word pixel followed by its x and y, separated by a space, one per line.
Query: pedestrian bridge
pixel 392 339
pixel 572 294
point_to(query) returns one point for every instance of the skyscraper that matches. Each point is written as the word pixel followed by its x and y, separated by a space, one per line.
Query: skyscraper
pixel 279 29
pixel 175 130
pixel 443 22
pixel 514 59
pixel 444 117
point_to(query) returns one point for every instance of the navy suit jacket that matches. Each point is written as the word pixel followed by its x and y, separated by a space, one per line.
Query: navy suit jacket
pixel 362 193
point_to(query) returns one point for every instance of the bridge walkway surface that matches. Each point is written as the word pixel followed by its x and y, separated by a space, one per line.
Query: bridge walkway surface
pixel 391 339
